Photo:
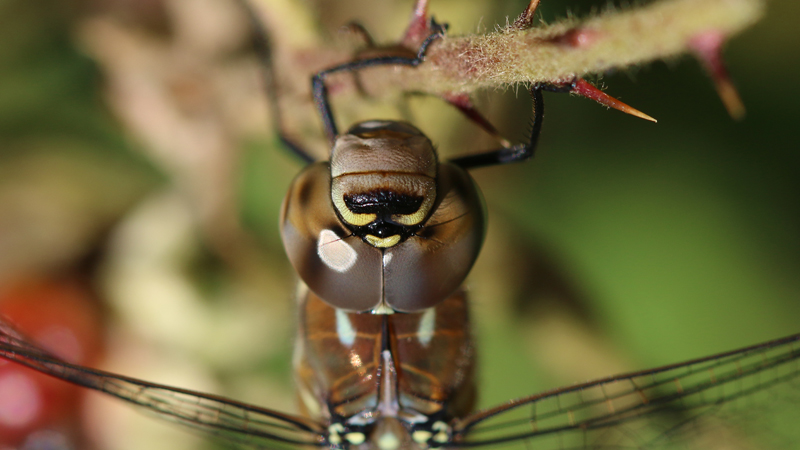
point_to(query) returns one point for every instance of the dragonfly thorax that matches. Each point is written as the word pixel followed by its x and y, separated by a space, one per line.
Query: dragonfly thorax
pixel 378 390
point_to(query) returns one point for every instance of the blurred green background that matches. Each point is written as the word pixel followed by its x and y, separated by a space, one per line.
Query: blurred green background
pixel 623 245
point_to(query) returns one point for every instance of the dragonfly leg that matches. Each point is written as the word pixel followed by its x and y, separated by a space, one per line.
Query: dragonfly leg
pixel 522 152
pixel 514 153
pixel 262 46
pixel 320 90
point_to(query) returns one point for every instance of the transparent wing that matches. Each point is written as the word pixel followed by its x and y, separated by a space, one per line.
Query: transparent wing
pixel 676 406
pixel 228 419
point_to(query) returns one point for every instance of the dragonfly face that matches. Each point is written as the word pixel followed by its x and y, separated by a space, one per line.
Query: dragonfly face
pixel 384 226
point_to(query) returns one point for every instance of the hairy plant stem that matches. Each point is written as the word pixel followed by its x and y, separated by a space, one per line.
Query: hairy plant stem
pixel 572 48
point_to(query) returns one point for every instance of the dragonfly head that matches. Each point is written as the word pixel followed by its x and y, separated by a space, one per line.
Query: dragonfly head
pixel 384 226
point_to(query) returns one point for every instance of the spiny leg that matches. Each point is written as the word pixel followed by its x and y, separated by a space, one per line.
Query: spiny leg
pixel 521 152
pixel 419 27
pixel 263 49
pixel 320 90
pixel 515 153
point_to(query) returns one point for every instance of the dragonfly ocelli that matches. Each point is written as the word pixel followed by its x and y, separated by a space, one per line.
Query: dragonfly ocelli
pixel 382 236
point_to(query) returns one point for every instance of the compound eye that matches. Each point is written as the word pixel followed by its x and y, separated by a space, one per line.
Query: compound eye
pixel 336 265
pixel 426 269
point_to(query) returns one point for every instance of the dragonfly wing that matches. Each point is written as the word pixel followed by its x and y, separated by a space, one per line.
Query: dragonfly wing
pixel 219 416
pixel 679 404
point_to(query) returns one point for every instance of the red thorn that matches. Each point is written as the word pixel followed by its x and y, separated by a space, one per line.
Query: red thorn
pixel 585 89
pixel 707 47
pixel 465 105
pixel 418 28
pixel 525 20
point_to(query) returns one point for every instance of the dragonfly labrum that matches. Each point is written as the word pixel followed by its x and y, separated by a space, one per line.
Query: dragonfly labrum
pixel 382 234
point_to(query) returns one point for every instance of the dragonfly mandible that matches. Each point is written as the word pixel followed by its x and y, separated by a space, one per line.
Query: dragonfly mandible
pixel 376 406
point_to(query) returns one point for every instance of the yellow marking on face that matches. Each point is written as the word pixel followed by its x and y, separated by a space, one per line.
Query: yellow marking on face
pixel 417 217
pixel 386 242
pixel 357 220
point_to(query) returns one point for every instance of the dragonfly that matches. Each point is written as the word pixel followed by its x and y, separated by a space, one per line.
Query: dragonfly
pixel 385 363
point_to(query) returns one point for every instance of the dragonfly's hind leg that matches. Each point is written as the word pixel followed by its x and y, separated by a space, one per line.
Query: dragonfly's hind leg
pixel 514 153
pixel 522 152
pixel 263 48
